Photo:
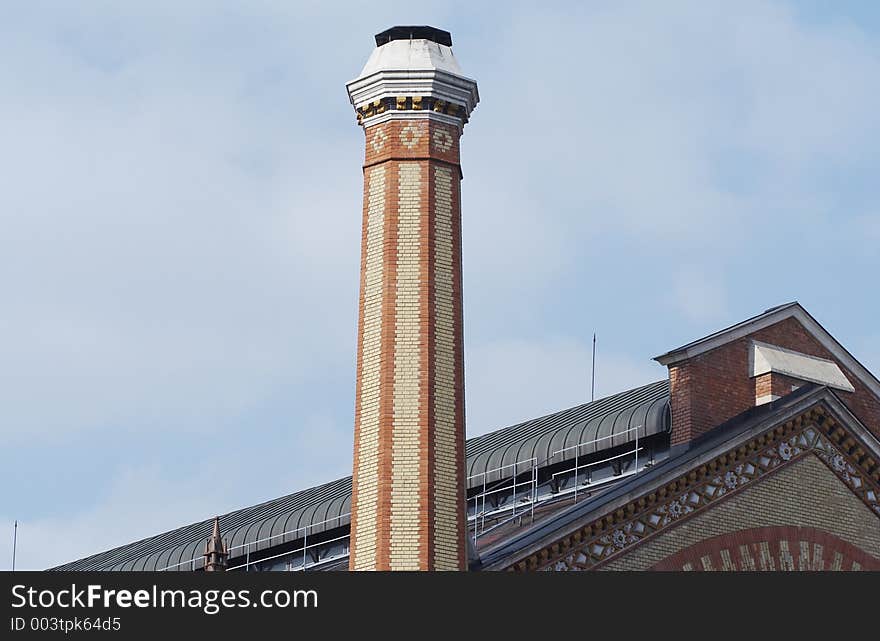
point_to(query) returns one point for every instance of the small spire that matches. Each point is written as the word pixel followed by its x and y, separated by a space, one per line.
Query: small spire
pixel 216 552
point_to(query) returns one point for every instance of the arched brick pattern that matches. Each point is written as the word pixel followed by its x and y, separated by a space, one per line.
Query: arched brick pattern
pixel 771 549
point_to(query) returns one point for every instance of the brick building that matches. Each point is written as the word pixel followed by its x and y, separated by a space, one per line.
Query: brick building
pixel 759 451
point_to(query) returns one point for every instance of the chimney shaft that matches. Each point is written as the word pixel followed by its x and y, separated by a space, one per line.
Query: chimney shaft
pixel 408 502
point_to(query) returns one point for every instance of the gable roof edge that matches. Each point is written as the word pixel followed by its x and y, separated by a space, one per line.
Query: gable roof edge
pixel 762 321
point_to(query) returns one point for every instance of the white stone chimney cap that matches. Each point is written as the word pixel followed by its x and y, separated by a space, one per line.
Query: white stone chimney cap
pixel 418 54
pixel 418 62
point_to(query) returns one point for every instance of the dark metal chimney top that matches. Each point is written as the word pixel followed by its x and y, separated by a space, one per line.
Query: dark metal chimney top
pixel 414 33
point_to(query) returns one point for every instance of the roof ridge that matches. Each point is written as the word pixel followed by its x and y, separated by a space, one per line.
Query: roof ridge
pixel 582 406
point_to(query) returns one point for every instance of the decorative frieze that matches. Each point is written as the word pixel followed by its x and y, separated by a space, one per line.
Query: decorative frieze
pixel 613 534
pixel 428 104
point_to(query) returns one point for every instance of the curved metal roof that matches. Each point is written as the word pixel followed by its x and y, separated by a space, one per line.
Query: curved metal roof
pixel 260 526
pixel 602 424
pixel 325 507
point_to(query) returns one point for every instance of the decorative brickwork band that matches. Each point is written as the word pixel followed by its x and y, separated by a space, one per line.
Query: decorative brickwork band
pixel 768 549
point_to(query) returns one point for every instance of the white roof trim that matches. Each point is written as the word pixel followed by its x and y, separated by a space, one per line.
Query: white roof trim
pixel 389 83
pixel 766 320
pixel 764 358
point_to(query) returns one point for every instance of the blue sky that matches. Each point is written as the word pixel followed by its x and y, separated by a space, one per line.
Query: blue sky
pixel 180 225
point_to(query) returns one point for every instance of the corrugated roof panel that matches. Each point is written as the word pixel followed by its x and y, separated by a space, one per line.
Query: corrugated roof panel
pixel 645 406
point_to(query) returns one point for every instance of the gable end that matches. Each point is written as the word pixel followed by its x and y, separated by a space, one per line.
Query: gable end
pixel 813 432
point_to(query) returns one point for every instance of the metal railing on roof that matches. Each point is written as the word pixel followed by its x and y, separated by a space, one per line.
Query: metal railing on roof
pixel 248 546
pixel 529 497
pixel 523 496
pixel 577 449
pixel 303 551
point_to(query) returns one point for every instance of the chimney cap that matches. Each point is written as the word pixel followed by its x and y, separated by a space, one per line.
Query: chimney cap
pixel 414 33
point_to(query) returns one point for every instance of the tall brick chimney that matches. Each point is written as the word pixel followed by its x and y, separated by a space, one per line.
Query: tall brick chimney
pixel 408 509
